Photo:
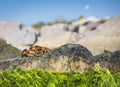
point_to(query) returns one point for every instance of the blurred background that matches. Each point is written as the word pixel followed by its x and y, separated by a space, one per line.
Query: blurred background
pixel 30 12
pixel 94 24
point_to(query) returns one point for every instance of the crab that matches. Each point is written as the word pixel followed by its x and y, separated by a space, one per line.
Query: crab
pixel 34 51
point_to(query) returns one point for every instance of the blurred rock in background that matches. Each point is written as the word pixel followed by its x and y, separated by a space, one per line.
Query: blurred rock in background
pixel 7 28
pixel 105 36
pixel 102 33
pixel 7 51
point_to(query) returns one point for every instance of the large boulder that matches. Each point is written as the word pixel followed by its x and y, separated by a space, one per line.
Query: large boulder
pixel 53 30
pixel 17 35
pixel 55 36
pixel 106 36
pixel 109 60
pixel 69 57
pixel 71 50
pixel 21 39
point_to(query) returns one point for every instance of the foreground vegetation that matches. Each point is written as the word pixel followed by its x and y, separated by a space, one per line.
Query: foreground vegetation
pixel 98 77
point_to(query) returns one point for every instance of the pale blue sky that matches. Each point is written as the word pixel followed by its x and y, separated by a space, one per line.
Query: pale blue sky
pixel 33 11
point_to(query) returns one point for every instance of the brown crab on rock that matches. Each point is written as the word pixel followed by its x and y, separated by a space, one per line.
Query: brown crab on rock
pixel 35 51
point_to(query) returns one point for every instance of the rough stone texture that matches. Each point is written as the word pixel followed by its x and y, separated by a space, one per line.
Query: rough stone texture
pixel 70 57
pixel 70 50
pixel 22 63
pixel 109 60
pixel 8 28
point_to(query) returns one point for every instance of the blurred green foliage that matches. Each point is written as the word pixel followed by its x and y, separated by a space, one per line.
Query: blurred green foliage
pixel 98 77
pixel 106 51
pixel 40 24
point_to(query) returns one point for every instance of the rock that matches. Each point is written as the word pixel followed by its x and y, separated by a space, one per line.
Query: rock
pixel 8 28
pixel 87 29
pixel 109 60
pixel 8 51
pixel 31 29
pixel 53 31
pixel 92 25
pixel 113 24
pixel 21 39
pixel 55 36
pixel 106 36
pixel 69 57
pixel 70 50
pixel 17 35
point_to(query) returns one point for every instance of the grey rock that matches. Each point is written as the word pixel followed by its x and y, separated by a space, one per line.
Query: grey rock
pixel 70 50
pixel 69 57
pixel 109 60
pixel 21 39
pixel 92 25
pixel 8 51
pixel 22 63
pixel 113 23
pixel 55 36
pixel 7 28
pixel 52 31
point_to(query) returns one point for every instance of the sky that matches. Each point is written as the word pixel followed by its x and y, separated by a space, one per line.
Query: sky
pixel 30 12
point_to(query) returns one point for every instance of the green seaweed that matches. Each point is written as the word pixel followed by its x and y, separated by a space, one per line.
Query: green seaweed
pixel 98 77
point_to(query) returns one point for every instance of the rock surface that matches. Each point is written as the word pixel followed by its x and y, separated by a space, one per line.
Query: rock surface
pixel 106 36
pixel 109 60
pixel 69 57
pixel 70 50
pixel 8 28
pixel 21 39
pixel 53 30
pixel 55 36
pixel 8 51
